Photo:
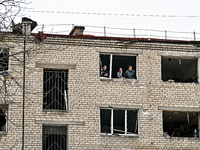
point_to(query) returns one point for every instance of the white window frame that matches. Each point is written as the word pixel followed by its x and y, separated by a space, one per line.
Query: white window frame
pixel 125 134
pixel 8 60
pixel 111 59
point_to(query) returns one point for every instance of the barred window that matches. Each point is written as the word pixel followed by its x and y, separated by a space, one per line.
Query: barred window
pixel 54 138
pixel 4 59
pixel 55 89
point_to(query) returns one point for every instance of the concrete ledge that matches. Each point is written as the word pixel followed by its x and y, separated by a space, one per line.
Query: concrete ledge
pixel 121 135
pixel 179 109
pixel 45 122
pixel 188 55
pixel 118 80
pixel 119 106
pixel 117 51
pixel 55 66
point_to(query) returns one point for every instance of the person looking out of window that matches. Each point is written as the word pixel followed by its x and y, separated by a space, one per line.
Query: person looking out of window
pixel 130 73
pixel 120 73
pixel 104 72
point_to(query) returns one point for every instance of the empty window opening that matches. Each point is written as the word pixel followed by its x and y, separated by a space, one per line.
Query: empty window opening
pixel 3 120
pixel 179 70
pixel 105 115
pixel 132 122
pixel 115 121
pixel 114 62
pixel 55 89
pixel 180 124
pixel 118 121
pixel 4 59
pixel 54 138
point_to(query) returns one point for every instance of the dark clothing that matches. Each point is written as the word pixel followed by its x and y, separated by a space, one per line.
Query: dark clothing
pixel 130 74
pixel 103 73
pixel 120 75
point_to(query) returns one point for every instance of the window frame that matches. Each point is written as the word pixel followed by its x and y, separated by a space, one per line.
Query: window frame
pixel 66 98
pixel 8 60
pixel 111 60
pixel 125 134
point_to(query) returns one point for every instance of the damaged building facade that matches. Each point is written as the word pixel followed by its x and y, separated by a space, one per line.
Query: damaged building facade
pixel 68 105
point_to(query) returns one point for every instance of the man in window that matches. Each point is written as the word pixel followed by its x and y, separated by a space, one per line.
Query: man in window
pixel 130 73
pixel 104 72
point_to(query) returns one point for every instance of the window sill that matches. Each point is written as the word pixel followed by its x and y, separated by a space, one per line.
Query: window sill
pixel 172 81
pixel 3 133
pixel 122 135
pixel 182 138
pixel 118 80
pixel 54 110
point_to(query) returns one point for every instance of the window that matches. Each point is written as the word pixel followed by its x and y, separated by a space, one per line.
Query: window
pixel 55 89
pixel 114 62
pixel 116 121
pixel 179 69
pixel 3 120
pixel 4 59
pixel 54 138
pixel 180 124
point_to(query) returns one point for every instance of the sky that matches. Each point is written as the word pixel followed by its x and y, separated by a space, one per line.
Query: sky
pixel 149 18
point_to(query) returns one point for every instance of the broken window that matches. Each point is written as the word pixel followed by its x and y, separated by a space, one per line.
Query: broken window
pixel 179 69
pixel 3 120
pixel 115 121
pixel 54 138
pixel 180 124
pixel 114 62
pixel 4 59
pixel 55 89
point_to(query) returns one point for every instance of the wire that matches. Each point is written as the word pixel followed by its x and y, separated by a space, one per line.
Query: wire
pixel 101 27
pixel 107 14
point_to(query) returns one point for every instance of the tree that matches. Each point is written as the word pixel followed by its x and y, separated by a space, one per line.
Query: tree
pixel 9 9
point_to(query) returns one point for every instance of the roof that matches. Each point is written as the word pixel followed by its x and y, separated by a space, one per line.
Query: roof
pixel 120 39
pixel 124 39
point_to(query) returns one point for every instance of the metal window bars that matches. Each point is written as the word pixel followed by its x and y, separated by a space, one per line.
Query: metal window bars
pixel 4 59
pixel 54 138
pixel 55 89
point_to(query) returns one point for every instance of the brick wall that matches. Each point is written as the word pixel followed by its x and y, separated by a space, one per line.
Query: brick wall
pixel 86 90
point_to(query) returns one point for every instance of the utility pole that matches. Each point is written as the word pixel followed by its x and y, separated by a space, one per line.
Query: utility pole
pixel 24 63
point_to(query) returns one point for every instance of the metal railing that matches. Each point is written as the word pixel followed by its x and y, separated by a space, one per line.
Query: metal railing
pixel 121 32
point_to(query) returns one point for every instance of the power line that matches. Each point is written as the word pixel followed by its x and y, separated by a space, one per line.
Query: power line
pixel 107 14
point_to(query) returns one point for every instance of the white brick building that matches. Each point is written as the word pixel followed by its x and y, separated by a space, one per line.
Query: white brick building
pixel 69 106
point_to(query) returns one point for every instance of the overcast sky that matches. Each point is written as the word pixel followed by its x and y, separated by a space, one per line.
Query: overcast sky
pixel 170 15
